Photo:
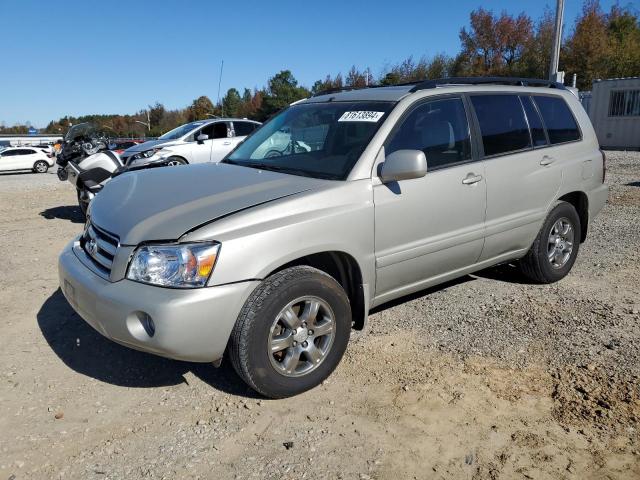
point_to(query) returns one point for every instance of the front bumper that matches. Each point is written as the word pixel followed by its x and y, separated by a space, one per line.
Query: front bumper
pixel 192 325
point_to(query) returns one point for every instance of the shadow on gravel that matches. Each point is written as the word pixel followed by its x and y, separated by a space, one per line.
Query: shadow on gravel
pixel 87 352
pixel 633 184
pixel 504 273
pixel 70 212
pixel 421 293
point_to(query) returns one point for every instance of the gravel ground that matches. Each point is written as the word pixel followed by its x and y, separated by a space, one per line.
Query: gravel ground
pixel 484 377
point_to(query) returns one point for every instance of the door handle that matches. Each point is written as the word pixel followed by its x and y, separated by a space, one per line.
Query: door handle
pixel 471 179
pixel 547 160
pixel 226 143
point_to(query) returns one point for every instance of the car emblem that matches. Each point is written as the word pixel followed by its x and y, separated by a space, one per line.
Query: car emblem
pixel 92 247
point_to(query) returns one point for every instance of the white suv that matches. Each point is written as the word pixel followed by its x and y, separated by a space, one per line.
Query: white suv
pixel 25 158
pixel 196 142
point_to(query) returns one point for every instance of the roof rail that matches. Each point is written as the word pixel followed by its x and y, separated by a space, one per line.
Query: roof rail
pixel 335 90
pixel 518 81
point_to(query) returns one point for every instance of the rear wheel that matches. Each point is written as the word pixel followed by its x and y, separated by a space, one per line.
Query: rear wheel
pixel 40 166
pixel 291 333
pixel 555 249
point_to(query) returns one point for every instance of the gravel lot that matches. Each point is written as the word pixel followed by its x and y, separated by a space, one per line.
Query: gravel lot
pixel 484 377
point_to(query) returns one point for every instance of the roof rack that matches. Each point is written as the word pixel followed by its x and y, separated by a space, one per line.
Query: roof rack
pixel 518 81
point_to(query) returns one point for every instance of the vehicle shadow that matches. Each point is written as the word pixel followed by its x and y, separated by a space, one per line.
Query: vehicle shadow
pixel 633 184
pixel 87 352
pixel 422 293
pixel 69 212
pixel 508 273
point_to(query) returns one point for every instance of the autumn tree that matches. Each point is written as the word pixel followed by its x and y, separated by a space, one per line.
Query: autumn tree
pixel 201 108
pixel 231 103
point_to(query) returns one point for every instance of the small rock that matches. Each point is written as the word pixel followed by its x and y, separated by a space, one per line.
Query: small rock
pixel 59 416
pixel 288 445
pixel 201 422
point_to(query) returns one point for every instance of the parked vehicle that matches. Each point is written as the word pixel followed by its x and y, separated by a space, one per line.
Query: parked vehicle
pixel 25 158
pixel 120 146
pixel 195 142
pixel 274 259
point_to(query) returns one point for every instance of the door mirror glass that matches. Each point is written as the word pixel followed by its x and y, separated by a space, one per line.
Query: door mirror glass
pixel 201 138
pixel 403 165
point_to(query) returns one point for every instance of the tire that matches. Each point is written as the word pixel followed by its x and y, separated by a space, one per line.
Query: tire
pixel 538 265
pixel 261 325
pixel 40 166
pixel 176 161
pixel 82 204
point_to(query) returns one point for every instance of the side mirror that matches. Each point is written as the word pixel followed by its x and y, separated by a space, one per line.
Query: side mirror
pixel 201 138
pixel 403 165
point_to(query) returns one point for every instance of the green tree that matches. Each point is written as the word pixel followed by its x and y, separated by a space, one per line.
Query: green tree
pixel 282 90
pixel 231 103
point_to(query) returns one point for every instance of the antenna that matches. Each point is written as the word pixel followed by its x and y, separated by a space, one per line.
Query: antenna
pixel 219 82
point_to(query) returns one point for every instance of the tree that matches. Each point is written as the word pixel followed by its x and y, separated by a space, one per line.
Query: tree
pixel 358 79
pixel 231 103
pixel 327 84
pixel 282 90
pixel 495 45
pixel 587 50
pixel 623 30
pixel 201 108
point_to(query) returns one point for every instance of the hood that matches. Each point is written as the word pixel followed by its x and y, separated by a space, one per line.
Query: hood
pixel 148 145
pixel 164 203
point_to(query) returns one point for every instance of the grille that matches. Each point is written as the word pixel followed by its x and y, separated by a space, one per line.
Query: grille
pixel 100 246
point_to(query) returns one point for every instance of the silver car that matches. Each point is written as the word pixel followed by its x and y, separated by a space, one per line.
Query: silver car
pixel 272 258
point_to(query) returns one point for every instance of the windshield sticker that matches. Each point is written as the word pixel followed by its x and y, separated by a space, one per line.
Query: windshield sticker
pixel 361 116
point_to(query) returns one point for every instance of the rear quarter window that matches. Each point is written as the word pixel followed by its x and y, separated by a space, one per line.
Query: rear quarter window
pixel 559 121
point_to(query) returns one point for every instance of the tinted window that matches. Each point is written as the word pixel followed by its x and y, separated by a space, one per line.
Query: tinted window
pixel 502 123
pixel 535 123
pixel 561 126
pixel 10 153
pixel 439 128
pixel 244 128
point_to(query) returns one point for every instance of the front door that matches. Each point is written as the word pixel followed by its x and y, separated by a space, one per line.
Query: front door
pixel 428 227
pixel 222 143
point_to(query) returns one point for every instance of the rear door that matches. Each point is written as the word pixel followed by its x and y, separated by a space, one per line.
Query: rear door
pixel 428 227
pixel 8 160
pixel 222 142
pixel 522 176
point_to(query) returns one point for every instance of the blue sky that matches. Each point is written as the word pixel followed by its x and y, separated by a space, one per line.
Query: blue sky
pixel 78 57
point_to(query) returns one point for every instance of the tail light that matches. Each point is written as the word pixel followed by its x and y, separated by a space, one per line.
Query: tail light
pixel 604 165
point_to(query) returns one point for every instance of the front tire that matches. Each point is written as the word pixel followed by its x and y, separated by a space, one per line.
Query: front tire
pixel 291 333
pixel 176 161
pixel 40 166
pixel 555 249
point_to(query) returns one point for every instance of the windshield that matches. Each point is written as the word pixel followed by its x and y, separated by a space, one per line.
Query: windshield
pixel 80 130
pixel 180 131
pixel 322 140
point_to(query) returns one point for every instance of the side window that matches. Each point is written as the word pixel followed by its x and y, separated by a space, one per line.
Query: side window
pixel 28 152
pixel 439 128
pixel 535 122
pixel 208 130
pixel 561 126
pixel 243 128
pixel 219 130
pixel 10 153
pixel 502 123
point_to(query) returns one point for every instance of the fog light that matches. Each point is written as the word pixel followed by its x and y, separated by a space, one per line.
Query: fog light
pixel 147 323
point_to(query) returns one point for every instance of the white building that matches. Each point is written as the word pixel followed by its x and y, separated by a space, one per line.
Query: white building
pixel 614 109
pixel 19 140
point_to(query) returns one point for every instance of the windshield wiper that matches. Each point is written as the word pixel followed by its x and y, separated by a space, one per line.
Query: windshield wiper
pixel 282 169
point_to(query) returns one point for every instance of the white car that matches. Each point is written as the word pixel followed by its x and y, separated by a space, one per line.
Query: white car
pixel 25 158
pixel 196 142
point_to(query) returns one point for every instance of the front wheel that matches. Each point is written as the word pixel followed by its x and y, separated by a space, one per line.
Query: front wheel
pixel 555 249
pixel 40 166
pixel 176 161
pixel 83 202
pixel 291 333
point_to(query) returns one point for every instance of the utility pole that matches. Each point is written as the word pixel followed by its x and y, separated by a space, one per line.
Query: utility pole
pixel 554 74
pixel 219 82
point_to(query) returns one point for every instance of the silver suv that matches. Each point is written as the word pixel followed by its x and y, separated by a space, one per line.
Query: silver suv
pixel 339 203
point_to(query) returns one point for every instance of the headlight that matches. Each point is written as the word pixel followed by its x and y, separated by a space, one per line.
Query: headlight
pixel 141 158
pixel 186 265
pixel 150 153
